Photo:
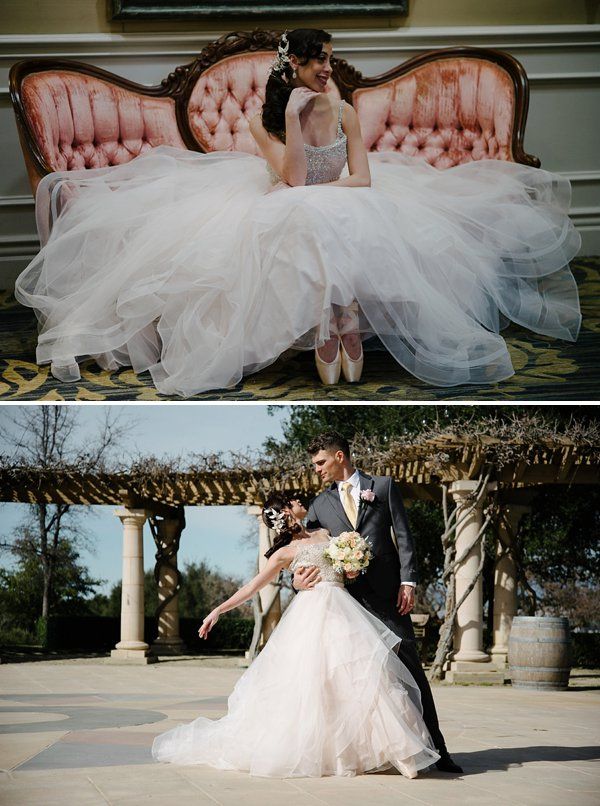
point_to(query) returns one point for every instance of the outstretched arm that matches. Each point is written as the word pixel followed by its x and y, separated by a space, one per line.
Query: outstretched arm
pixel 277 561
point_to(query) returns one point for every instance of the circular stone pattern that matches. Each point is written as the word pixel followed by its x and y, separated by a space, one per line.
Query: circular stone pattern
pixel 22 718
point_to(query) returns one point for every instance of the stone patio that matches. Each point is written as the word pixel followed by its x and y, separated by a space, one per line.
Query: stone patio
pixel 79 732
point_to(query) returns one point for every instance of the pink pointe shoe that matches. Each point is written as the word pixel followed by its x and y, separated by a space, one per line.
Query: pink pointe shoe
pixel 329 371
pixel 348 324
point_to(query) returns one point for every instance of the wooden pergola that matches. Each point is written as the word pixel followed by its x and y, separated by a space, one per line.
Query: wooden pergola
pixel 468 469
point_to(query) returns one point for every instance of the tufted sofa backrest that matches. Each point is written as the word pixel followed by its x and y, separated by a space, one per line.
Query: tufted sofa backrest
pixel 224 99
pixel 80 121
pixel 449 111
pixel 448 106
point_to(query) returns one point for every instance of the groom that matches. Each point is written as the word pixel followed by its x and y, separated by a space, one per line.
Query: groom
pixel 372 505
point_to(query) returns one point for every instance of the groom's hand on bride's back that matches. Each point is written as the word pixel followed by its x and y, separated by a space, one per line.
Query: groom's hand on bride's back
pixel 306 578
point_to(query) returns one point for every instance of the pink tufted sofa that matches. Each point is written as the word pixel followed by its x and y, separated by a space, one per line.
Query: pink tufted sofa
pixel 449 106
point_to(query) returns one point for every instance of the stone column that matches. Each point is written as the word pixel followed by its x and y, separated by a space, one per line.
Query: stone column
pixel 168 641
pixel 270 593
pixel 469 660
pixel 505 584
pixel 131 648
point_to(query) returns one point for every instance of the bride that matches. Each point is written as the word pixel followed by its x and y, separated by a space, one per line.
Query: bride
pixel 326 696
pixel 202 268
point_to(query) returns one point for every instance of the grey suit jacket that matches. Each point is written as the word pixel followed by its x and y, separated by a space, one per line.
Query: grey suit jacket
pixel 376 589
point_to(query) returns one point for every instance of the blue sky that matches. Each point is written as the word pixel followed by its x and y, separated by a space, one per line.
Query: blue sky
pixel 213 534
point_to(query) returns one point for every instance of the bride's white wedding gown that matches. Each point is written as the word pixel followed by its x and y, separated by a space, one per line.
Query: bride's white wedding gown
pixel 200 268
pixel 326 696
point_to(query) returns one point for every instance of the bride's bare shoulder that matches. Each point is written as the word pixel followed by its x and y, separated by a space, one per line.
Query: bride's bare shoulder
pixel 319 533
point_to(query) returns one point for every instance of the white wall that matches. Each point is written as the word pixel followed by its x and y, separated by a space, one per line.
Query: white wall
pixel 562 61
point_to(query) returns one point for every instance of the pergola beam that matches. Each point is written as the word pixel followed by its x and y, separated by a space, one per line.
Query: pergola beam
pixel 419 473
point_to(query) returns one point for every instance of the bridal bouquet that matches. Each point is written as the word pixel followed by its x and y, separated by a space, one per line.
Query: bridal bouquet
pixel 348 553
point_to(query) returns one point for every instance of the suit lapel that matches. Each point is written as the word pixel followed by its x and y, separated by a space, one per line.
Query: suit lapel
pixel 366 483
pixel 333 499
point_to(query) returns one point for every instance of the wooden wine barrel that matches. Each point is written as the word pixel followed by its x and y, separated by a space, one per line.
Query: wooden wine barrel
pixel 539 652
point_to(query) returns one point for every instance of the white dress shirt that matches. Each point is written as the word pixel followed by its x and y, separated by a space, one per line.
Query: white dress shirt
pixel 354 480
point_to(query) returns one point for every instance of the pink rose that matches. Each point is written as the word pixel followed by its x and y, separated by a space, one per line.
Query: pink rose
pixel 368 495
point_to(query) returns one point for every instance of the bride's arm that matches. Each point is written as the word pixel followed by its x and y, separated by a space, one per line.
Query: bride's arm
pixel 277 562
pixel 287 160
pixel 358 163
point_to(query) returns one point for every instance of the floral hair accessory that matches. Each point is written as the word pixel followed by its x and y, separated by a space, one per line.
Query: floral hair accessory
pixel 278 520
pixel 282 59
pixel 368 496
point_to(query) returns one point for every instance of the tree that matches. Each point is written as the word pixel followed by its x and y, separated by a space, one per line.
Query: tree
pixel 381 422
pixel 386 422
pixel 45 543
pixel 558 541
pixel 20 590
pixel 202 589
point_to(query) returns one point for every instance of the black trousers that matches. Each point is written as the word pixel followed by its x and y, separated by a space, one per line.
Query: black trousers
pixel 407 652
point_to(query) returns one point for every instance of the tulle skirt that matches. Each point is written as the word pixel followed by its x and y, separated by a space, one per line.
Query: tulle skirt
pixel 326 696
pixel 192 267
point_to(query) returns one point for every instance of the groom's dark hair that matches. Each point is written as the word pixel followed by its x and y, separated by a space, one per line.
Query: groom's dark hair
pixel 329 441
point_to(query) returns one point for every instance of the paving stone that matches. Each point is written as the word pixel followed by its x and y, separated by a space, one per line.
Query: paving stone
pixel 16 749
pixel 517 747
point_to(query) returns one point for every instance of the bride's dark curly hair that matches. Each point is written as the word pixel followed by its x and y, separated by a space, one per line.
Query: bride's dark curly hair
pixel 274 517
pixel 305 44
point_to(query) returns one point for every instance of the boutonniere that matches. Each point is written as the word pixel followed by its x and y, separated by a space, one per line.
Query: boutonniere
pixel 367 498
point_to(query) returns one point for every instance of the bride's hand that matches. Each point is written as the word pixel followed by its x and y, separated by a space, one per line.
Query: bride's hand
pixel 352 574
pixel 298 100
pixel 208 623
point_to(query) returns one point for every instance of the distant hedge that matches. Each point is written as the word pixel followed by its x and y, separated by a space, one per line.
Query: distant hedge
pixel 586 650
pixel 103 632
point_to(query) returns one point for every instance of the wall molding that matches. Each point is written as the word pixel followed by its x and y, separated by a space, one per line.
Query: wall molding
pixel 523 41
pixel 579 176
pixel 16 243
pixel 16 201
pixel 106 45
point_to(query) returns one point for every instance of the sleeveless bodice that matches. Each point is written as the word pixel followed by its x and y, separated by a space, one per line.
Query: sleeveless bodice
pixel 323 163
pixel 312 554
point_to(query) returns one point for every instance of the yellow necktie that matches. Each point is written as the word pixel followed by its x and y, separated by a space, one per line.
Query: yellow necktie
pixel 348 502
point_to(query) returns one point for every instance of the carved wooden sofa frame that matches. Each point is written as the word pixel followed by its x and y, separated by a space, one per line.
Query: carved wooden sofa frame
pixel 449 106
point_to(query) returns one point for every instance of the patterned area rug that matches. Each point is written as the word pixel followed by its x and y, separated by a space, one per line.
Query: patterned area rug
pixel 545 369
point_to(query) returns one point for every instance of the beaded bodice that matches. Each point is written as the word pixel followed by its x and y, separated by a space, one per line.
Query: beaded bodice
pixel 312 554
pixel 323 163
